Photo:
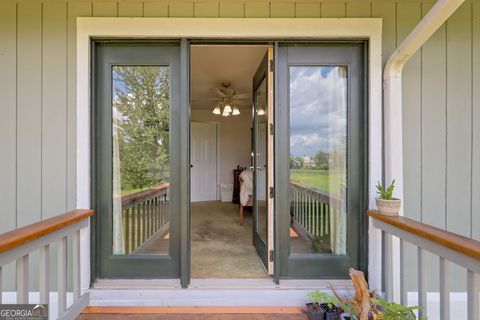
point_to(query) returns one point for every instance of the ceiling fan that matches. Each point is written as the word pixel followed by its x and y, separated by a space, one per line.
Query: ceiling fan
pixel 227 96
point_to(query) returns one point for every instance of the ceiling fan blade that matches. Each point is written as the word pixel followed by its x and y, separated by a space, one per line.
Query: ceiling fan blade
pixel 218 92
pixel 240 99
pixel 210 99
pixel 241 96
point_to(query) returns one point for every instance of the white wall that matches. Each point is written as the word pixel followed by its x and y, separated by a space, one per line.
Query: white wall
pixel 234 139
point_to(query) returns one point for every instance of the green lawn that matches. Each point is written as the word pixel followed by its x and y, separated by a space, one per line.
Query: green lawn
pixel 319 179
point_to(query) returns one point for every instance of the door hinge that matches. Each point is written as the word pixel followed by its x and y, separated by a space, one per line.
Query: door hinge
pixel 271 65
pixel 270 256
pixel 272 129
pixel 271 192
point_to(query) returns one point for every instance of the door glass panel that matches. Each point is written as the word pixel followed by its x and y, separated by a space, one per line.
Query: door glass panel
pixel 318 154
pixel 261 158
pixel 140 124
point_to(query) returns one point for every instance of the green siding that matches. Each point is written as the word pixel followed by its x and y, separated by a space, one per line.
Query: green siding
pixel 38 100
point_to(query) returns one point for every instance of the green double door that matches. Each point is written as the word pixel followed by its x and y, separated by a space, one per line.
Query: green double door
pixel 309 148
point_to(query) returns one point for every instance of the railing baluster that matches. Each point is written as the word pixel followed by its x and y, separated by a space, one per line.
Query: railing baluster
pixel 76 264
pixel 139 225
pixel 143 224
pixel 422 282
pixel 444 289
pixel 44 274
pixel 62 275
pixel 387 252
pixel 1 286
pixel 473 288
pixel 403 290
pixel 22 279
pixel 130 229
pixel 126 225
pixel 149 219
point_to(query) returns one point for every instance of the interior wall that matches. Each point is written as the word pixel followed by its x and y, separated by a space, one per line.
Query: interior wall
pixel 234 139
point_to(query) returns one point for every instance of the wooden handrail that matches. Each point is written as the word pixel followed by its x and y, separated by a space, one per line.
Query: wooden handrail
pixel 12 239
pixel 464 245
pixel 322 196
pixel 129 198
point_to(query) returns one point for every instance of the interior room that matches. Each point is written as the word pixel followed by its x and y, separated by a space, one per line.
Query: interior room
pixel 221 142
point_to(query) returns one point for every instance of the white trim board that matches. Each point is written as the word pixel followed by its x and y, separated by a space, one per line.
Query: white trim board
pixel 232 28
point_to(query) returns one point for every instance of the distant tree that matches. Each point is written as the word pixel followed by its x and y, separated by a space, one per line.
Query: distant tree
pixel 321 160
pixel 142 100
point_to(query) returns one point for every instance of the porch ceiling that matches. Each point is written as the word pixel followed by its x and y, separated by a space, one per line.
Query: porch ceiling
pixel 213 64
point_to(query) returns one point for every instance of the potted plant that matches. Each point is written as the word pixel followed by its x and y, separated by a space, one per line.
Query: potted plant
pixel 322 306
pixel 393 311
pixel 386 204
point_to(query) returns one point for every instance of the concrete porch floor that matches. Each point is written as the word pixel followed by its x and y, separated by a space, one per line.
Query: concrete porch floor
pixel 221 248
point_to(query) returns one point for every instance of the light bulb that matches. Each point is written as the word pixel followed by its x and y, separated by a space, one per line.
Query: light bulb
pixel 217 110
pixel 235 111
pixel 227 108
pixel 261 112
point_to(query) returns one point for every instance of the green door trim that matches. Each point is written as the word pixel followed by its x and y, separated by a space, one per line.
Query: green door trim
pixel 105 264
pixel 185 230
pixel 299 266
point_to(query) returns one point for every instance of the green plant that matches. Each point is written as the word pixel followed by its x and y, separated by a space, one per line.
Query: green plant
pixel 394 311
pixel 322 297
pixel 385 194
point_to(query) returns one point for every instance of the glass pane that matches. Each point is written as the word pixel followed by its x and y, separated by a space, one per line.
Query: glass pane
pixel 261 158
pixel 140 124
pixel 318 154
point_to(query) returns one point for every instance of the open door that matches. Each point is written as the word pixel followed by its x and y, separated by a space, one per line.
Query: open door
pixel 263 161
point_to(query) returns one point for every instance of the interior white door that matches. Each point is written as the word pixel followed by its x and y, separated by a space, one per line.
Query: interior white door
pixel 203 154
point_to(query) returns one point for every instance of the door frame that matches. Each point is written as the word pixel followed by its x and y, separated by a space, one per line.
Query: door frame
pixel 217 156
pixel 369 29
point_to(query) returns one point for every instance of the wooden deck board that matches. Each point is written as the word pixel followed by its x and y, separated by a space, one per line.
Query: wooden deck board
pixel 191 313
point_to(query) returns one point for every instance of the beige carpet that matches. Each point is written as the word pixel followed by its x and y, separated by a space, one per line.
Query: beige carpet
pixel 221 248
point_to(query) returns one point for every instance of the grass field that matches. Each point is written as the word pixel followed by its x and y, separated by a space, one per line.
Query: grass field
pixel 319 179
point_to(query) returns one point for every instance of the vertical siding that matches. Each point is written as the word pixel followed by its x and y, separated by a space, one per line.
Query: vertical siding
pixel 38 99
pixel 29 113
pixel 459 125
pixel 8 123
pixel 54 109
pixel 475 196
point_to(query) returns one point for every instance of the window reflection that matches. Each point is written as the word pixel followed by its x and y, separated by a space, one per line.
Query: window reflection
pixel 140 124
pixel 318 153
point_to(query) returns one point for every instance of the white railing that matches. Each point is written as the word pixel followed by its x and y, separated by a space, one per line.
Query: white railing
pixel 17 245
pixel 450 249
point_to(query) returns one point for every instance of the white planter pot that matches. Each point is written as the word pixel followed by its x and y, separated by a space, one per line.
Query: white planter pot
pixel 388 207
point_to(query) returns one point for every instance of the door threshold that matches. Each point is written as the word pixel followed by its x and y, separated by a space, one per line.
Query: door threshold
pixel 132 284
pixel 222 283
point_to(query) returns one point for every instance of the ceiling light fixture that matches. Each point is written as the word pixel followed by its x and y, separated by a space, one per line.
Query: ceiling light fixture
pixel 217 110
pixel 225 109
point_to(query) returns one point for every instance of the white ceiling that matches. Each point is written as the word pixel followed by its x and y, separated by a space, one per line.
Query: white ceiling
pixel 213 64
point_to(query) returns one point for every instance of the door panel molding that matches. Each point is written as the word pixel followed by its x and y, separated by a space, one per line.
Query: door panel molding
pixel 109 265
pixel 302 265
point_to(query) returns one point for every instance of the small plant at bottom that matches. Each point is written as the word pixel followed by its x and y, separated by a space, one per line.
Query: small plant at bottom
pixel 393 311
pixel 385 194
pixel 322 297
